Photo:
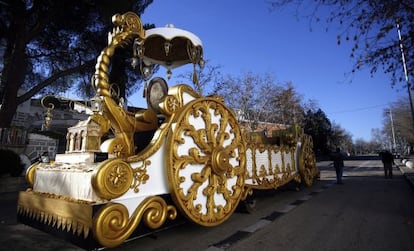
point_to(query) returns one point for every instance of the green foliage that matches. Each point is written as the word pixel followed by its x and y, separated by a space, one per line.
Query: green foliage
pixel 341 138
pixel 318 126
pixel 52 46
pixel 11 163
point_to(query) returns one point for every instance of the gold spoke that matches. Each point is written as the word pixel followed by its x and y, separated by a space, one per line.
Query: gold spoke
pixel 207 179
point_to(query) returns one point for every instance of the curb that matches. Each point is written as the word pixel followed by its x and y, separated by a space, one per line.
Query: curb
pixel 408 174
pixel 406 168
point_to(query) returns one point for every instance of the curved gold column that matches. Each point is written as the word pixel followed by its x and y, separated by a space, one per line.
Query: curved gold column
pixel 127 28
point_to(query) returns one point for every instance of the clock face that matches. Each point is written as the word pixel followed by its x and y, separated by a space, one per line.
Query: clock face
pixel 157 91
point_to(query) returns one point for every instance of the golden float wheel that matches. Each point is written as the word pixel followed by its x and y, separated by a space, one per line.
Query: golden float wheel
pixel 307 164
pixel 113 179
pixel 206 161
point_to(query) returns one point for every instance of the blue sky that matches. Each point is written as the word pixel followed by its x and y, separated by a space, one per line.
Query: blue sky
pixel 243 36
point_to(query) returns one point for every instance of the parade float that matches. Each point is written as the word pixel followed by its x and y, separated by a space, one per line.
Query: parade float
pixel 112 184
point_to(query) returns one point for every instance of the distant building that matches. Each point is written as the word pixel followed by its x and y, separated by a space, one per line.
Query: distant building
pixel 260 126
pixel 27 134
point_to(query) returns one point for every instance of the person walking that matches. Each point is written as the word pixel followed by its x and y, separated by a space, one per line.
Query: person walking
pixel 388 161
pixel 338 163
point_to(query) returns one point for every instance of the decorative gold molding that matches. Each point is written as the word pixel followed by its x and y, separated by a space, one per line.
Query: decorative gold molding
pixel 113 179
pixel 170 108
pixel 271 175
pixel 70 216
pixel 247 191
pixel 112 224
pixel 178 91
pixel 213 151
pixel 140 175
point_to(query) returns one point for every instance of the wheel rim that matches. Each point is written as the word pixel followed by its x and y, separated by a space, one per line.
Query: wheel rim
pixel 206 162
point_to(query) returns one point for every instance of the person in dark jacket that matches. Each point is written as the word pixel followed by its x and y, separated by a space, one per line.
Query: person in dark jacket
pixel 388 161
pixel 338 162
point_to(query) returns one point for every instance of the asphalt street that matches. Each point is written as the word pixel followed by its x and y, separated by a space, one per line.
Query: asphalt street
pixel 16 236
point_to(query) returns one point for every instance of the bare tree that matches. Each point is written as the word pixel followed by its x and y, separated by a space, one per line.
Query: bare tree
pixel 286 104
pixel 205 78
pixel 341 138
pixel 243 95
pixel 258 98
pixel 379 139
pixel 370 25
pixel 397 124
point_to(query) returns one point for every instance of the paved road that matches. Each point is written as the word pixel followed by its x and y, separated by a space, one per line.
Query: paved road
pixel 367 213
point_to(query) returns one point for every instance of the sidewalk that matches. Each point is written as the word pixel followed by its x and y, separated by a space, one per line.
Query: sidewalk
pixel 10 184
pixel 406 171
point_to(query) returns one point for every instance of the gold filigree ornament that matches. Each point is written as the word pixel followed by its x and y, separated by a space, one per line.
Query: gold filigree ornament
pixel 113 179
pixel 169 105
pixel 112 224
pixel 206 161
pixel 140 175
pixel 307 161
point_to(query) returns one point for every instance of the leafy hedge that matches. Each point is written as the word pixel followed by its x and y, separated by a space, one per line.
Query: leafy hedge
pixel 10 163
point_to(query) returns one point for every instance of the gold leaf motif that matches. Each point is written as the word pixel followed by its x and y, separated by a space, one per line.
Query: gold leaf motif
pixel 170 105
pixel 140 175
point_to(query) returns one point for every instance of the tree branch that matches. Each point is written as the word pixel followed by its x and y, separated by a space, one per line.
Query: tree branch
pixel 35 89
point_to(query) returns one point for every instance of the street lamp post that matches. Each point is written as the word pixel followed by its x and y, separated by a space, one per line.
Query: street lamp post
pixel 394 146
pixel 406 74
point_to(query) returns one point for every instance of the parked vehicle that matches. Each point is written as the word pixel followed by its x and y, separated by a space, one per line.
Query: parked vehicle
pixel 185 157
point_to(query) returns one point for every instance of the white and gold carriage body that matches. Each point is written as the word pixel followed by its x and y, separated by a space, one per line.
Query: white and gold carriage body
pixel 275 161
pixel 198 163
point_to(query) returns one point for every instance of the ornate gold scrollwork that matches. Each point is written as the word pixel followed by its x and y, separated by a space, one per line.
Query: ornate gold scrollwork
pixel 271 173
pixel 170 105
pixel 307 161
pixel 112 224
pixel 140 175
pixel 206 161
pixel 113 179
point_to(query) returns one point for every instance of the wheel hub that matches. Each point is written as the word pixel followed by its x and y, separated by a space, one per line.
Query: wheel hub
pixel 220 161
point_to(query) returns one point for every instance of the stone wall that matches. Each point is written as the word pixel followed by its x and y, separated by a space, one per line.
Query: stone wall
pixel 38 144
